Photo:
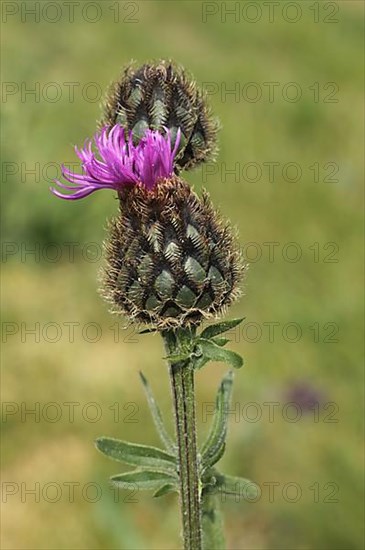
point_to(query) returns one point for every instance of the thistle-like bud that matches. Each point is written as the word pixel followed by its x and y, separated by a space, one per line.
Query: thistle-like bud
pixel 171 259
pixel 158 96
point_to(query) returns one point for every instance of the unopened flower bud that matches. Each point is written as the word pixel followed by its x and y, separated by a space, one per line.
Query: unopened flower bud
pixel 161 95
pixel 171 259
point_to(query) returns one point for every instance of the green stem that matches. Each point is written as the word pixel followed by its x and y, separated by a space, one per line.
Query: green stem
pixel 213 535
pixel 182 384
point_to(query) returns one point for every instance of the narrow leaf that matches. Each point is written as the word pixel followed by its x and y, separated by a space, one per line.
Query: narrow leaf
pixel 164 489
pixel 178 357
pixel 143 480
pixel 215 353
pixel 136 455
pixel 214 446
pixel 220 341
pixel 199 362
pixel 219 328
pixel 157 417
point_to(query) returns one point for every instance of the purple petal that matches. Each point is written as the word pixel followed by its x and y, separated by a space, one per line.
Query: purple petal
pixel 118 162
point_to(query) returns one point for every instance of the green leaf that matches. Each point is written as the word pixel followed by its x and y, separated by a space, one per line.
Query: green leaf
pixel 238 486
pixel 143 480
pixel 197 358
pixel 213 352
pixel 177 358
pixel 220 341
pixel 212 522
pixel 136 455
pixel 219 328
pixel 164 489
pixel 199 362
pixel 157 417
pixel 214 446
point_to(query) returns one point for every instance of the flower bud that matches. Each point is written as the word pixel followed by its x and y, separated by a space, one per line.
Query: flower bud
pixel 160 95
pixel 171 259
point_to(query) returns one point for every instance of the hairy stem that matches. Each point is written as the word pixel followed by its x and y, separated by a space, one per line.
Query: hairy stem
pixel 182 384
pixel 213 536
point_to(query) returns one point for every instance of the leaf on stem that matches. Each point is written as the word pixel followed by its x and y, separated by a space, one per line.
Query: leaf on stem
pixel 157 417
pixel 136 455
pixel 219 328
pixel 238 486
pixel 220 341
pixel 214 352
pixel 177 358
pixel 214 446
pixel 164 489
pixel 143 480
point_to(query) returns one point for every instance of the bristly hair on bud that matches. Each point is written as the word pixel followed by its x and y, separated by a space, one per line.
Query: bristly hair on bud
pixel 161 94
pixel 121 163
pixel 171 260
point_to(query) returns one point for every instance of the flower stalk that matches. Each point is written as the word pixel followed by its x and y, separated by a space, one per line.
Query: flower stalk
pixel 182 385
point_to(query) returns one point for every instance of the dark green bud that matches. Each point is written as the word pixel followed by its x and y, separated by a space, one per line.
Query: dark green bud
pixel 159 95
pixel 171 259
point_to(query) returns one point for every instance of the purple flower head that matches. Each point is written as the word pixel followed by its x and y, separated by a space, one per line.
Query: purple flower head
pixel 121 162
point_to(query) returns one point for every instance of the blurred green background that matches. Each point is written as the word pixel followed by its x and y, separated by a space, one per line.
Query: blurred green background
pixel 313 465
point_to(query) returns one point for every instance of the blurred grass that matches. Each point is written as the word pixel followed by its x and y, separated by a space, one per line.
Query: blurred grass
pixel 305 292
